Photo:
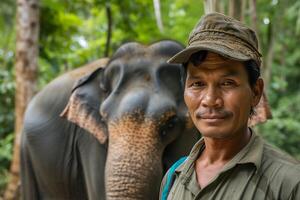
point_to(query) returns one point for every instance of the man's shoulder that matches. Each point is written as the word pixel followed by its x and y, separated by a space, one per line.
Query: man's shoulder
pixel 278 157
pixel 280 166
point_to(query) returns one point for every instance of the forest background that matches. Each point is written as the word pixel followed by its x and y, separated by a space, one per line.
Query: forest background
pixel 75 32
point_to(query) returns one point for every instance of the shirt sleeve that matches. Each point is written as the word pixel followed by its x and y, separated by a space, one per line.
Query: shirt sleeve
pixel 295 194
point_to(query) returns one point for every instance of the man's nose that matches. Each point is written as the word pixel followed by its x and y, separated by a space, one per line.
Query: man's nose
pixel 212 98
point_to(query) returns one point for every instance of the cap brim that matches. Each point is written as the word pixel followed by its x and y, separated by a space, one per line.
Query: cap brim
pixel 222 49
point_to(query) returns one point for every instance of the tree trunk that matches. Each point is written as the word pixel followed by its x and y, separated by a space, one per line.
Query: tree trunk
pixel 159 23
pixel 253 15
pixel 109 28
pixel 26 73
pixel 236 9
pixel 211 6
pixel 267 69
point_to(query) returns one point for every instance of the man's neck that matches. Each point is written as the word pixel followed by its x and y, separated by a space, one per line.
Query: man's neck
pixel 216 154
pixel 223 150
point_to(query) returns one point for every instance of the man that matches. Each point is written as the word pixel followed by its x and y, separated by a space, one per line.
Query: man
pixel 222 87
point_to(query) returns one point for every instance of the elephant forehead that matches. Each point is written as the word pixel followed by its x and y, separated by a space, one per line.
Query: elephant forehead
pixel 163 48
pixel 139 60
pixel 143 66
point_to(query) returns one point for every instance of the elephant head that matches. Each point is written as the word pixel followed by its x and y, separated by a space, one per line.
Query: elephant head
pixel 134 105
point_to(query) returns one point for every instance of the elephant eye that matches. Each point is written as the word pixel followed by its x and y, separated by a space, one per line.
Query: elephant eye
pixel 168 126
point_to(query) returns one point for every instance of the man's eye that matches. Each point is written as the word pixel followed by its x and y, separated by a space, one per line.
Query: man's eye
pixel 228 83
pixel 197 84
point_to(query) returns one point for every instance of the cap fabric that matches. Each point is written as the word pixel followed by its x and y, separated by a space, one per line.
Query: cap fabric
pixel 223 35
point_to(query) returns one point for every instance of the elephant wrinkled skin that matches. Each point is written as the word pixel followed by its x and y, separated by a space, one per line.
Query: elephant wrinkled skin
pixel 107 130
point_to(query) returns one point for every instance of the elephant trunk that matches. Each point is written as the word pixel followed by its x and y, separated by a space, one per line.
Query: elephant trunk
pixel 133 166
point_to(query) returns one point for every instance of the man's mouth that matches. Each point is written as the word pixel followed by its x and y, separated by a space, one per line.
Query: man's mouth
pixel 211 117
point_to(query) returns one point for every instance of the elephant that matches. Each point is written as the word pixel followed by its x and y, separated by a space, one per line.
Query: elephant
pixel 107 130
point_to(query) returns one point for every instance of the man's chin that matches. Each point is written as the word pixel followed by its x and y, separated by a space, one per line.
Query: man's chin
pixel 215 133
pixel 217 136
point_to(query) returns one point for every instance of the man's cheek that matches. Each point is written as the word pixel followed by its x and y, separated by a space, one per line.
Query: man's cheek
pixel 191 100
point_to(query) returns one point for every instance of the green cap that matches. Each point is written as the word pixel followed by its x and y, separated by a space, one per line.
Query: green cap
pixel 223 35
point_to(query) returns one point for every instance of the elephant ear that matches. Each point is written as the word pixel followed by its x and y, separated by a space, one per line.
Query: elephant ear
pixel 83 106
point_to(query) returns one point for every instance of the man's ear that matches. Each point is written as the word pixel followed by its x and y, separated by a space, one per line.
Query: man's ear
pixel 260 104
pixel 257 91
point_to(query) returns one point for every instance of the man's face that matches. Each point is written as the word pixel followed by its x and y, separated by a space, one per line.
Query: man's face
pixel 219 97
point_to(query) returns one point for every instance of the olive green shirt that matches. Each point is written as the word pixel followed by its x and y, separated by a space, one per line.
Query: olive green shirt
pixel 258 171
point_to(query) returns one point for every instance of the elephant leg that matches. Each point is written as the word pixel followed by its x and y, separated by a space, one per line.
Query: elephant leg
pixel 29 188
pixel 92 158
pixel 52 160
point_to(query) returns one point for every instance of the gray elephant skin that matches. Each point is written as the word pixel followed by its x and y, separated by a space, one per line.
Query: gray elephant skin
pixel 107 130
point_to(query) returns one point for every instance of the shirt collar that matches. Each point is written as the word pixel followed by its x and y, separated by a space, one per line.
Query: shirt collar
pixel 251 153
pixel 188 166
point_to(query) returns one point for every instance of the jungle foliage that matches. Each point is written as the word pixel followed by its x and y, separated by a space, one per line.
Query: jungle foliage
pixel 73 33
